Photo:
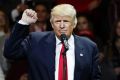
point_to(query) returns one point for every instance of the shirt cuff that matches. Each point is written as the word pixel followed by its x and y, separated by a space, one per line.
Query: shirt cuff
pixel 22 22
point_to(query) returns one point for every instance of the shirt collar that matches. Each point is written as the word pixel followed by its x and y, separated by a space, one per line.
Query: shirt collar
pixel 57 40
pixel 71 41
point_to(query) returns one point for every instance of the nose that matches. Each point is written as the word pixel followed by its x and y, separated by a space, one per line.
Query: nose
pixel 62 25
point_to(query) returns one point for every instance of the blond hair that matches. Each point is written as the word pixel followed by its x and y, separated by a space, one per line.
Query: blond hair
pixel 64 10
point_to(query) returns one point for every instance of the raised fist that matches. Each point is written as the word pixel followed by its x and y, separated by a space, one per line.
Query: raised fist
pixel 29 16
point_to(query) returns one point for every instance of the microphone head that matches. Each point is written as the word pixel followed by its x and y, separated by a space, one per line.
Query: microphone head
pixel 63 37
pixel 64 40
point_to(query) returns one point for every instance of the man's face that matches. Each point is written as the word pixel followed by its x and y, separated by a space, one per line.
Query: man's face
pixel 42 13
pixel 62 25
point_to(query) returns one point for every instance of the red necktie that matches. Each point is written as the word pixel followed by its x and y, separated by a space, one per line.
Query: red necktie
pixel 62 72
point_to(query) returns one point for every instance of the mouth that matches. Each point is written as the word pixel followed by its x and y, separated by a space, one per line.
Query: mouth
pixel 63 31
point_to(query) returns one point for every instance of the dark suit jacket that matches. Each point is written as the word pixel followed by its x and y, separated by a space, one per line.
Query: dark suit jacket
pixel 39 49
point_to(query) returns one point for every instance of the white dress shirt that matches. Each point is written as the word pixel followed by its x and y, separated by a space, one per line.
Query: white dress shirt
pixel 70 57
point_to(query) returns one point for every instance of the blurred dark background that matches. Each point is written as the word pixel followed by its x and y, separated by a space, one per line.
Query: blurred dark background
pixel 98 20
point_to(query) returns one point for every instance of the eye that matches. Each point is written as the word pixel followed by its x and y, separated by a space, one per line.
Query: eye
pixel 57 21
pixel 66 21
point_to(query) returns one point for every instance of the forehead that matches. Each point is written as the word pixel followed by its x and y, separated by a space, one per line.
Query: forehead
pixel 58 17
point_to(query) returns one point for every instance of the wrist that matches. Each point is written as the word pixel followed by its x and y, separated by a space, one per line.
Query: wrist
pixel 23 22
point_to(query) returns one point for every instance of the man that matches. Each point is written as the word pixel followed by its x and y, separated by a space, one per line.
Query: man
pixel 43 49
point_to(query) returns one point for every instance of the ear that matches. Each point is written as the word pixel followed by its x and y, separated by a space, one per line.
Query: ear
pixel 75 22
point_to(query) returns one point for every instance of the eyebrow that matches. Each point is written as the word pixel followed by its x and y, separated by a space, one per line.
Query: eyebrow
pixel 61 20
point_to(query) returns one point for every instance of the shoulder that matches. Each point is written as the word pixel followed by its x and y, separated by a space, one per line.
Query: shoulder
pixel 41 35
pixel 85 41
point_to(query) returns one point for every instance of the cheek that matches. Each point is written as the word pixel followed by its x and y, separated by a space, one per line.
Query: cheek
pixel 70 29
pixel 56 30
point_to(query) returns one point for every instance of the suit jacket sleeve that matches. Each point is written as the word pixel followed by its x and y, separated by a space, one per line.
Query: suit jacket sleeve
pixel 96 70
pixel 16 44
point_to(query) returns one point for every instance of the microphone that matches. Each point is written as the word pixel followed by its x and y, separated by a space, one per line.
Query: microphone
pixel 64 40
